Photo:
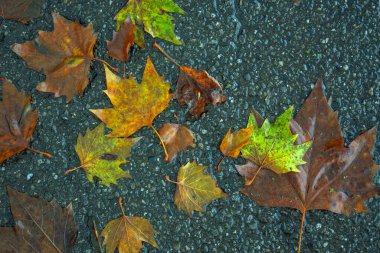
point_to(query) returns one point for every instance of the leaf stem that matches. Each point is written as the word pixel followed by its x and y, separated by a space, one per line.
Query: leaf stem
pixel 301 229
pixel 105 63
pixel 97 236
pixel 162 143
pixel 40 152
pixel 120 202
pixel 167 178
pixel 81 166
pixel 220 162
pixel 249 182
pixel 156 46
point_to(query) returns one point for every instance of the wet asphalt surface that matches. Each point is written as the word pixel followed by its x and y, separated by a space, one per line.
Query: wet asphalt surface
pixel 267 55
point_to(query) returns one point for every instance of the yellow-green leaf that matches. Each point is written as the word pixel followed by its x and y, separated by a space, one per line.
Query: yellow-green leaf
pixel 153 16
pixel 272 146
pixel 195 189
pixel 101 156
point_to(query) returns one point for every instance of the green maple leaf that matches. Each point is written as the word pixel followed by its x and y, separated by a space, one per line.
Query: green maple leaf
pixel 101 156
pixel 152 14
pixel 272 146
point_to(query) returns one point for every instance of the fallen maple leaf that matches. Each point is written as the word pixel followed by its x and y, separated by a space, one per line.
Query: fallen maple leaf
pixel 122 41
pixel 63 55
pixel 232 143
pixel 152 15
pixel 101 156
pixel 334 177
pixel 196 88
pixel 41 226
pixel 127 233
pixel 194 188
pixel 135 105
pixel 272 147
pixel 20 10
pixel 17 122
pixel 176 138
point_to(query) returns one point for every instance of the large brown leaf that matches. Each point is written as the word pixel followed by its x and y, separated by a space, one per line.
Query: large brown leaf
pixel 41 226
pixel 20 10
pixel 63 55
pixel 195 88
pixel 335 177
pixel 17 121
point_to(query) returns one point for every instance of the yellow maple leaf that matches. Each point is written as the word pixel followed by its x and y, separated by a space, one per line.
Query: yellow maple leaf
pixel 134 105
pixel 127 233
pixel 194 188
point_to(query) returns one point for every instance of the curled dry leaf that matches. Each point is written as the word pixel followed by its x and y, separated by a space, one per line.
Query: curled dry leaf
pixel 176 138
pixel 20 10
pixel 63 55
pixel 334 177
pixel 127 233
pixel 272 147
pixel 194 188
pixel 41 226
pixel 232 143
pixel 195 88
pixel 153 16
pixel 101 156
pixel 17 122
pixel 134 105
pixel 122 41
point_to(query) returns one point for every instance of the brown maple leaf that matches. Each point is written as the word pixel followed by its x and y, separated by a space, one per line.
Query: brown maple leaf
pixel 17 122
pixel 20 10
pixel 63 55
pixel 127 234
pixel 41 226
pixel 195 88
pixel 122 41
pixel 335 177
pixel 176 138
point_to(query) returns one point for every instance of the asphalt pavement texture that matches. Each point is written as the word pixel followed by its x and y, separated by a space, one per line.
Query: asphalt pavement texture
pixel 267 55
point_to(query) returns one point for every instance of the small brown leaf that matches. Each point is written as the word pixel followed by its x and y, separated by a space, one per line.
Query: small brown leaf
pixel 195 88
pixel 176 138
pixel 63 55
pixel 127 234
pixel 17 121
pixel 41 226
pixel 122 41
pixel 20 10
pixel 232 143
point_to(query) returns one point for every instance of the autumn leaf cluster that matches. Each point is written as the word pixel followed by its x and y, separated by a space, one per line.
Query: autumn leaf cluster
pixel 297 162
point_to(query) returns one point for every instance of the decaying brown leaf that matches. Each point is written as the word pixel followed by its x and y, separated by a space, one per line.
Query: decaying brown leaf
pixel 194 188
pixel 41 226
pixel 20 10
pixel 63 55
pixel 176 138
pixel 232 143
pixel 17 122
pixel 335 177
pixel 195 88
pixel 122 41
pixel 128 233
